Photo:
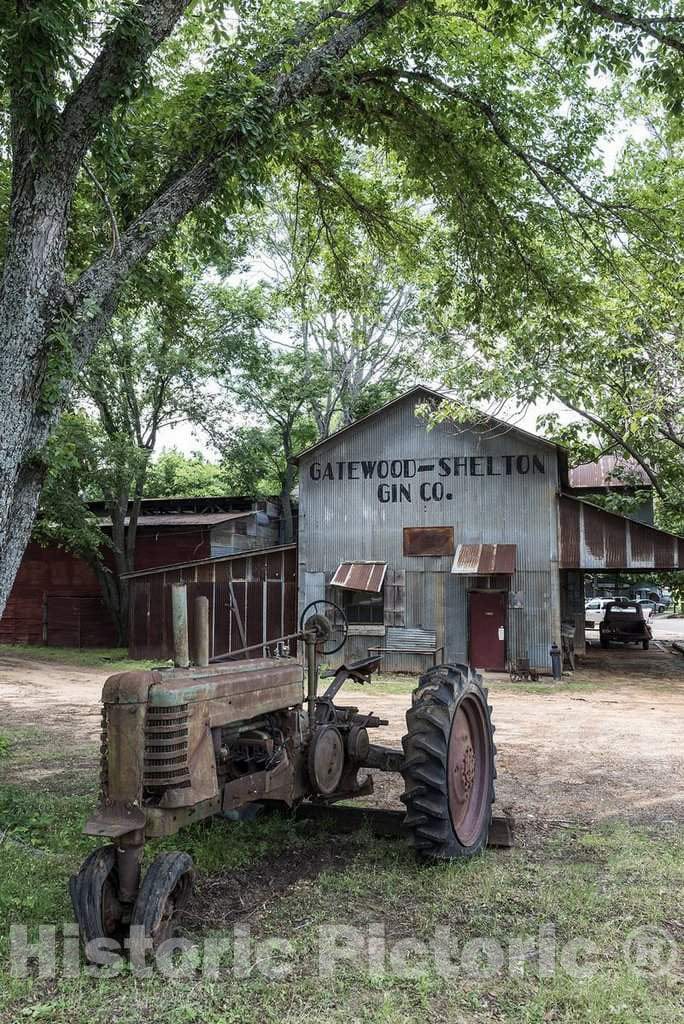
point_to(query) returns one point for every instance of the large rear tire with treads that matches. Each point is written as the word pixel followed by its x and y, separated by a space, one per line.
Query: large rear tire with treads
pixel 449 768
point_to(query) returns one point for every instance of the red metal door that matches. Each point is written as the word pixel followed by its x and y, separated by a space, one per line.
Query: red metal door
pixel 487 624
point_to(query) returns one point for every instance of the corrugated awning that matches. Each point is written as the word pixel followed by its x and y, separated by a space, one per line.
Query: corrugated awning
pixel 484 559
pixel 368 576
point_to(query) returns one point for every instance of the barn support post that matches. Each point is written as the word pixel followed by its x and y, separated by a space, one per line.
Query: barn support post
pixel 179 615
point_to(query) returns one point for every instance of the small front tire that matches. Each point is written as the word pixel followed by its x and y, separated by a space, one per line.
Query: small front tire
pixel 166 888
pixel 94 895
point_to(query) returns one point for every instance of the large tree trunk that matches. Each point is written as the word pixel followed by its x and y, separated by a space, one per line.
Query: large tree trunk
pixel 48 329
pixel 32 363
pixel 287 482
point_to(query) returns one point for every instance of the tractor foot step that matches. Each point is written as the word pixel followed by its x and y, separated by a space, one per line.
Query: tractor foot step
pixel 384 822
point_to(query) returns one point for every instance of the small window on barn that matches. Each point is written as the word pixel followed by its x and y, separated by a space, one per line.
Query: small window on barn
pixel 363 608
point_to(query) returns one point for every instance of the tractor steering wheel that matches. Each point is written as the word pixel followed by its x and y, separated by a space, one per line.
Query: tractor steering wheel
pixel 329 622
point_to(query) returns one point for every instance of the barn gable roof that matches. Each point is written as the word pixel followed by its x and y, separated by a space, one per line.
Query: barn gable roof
pixel 429 394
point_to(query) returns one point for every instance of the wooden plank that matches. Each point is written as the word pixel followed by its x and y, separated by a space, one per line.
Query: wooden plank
pixel 384 822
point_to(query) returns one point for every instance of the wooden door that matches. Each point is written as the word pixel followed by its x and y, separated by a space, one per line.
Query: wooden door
pixel 487 629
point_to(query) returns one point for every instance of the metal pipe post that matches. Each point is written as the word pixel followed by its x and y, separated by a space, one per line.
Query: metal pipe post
pixel 202 631
pixel 179 615
pixel 311 674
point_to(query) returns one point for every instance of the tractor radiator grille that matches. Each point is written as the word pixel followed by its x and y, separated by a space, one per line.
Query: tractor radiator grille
pixel 166 748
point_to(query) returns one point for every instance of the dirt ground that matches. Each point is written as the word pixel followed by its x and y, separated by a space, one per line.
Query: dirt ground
pixel 608 744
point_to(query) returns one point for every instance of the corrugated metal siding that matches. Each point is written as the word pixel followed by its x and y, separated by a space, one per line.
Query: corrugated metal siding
pixel 52 572
pixel 592 538
pixel 343 520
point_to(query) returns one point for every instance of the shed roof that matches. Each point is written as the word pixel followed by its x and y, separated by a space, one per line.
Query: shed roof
pixel 609 471
pixel 182 519
pixel 249 553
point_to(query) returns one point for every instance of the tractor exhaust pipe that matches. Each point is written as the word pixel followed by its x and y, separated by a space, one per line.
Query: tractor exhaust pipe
pixel 179 616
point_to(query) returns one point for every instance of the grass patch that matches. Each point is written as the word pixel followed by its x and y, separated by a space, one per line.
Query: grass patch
pixel 115 658
pixel 383 682
pixel 596 885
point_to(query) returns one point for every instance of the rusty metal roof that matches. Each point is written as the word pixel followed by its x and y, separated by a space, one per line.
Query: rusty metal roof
pixel 183 519
pixel 368 576
pixel 609 471
pixel 484 559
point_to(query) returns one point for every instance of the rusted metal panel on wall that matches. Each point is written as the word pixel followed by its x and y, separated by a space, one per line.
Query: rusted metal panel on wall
pixel 594 541
pixel 428 540
pixel 641 538
pixel 569 540
pixel 616 544
pixel 80 621
pixel 663 551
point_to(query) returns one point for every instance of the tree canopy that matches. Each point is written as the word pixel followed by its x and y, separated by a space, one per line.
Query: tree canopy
pixel 136 128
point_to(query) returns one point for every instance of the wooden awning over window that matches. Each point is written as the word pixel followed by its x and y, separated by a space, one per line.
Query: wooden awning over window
pixel 484 559
pixel 368 576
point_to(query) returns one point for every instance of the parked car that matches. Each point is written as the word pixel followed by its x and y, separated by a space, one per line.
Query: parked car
pixel 649 608
pixel 624 623
pixel 594 610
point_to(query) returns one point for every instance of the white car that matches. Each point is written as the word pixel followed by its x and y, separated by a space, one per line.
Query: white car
pixel 594 611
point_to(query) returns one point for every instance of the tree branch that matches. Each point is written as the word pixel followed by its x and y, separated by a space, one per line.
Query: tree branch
pixel 124 53
pixel 646 25
pixel 98 285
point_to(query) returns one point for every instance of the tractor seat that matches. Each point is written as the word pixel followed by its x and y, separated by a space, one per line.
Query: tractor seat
pixel 357 670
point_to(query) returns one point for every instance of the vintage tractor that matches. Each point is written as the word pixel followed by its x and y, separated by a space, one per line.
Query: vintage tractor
pixel 180 745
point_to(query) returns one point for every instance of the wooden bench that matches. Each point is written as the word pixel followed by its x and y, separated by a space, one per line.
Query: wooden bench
pixel 411 640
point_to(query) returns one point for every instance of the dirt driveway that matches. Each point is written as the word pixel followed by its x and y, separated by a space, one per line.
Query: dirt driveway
pixel 609 744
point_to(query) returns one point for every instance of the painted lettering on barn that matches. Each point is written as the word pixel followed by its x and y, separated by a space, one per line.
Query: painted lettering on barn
pixel 399 480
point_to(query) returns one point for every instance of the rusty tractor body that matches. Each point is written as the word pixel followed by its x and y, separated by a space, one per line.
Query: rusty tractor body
pixel 181 745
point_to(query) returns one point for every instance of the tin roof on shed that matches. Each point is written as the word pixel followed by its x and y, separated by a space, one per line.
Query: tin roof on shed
pixel 609 471
pixel 183 519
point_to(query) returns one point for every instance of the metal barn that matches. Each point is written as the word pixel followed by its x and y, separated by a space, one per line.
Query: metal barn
pixel 447 541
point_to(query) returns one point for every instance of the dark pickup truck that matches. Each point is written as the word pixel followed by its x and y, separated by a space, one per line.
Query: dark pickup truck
pixel 624 623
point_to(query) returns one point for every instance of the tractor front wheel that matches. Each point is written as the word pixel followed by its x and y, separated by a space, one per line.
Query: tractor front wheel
pixel 449 764
pixel 94 895
pixel 166 888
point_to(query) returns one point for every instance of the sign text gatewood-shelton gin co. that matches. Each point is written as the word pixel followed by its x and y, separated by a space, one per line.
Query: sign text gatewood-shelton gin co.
pixel 396 476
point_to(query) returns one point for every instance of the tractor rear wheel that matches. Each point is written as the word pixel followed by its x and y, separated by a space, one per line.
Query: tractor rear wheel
pixel 449 764
pixel 166 888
